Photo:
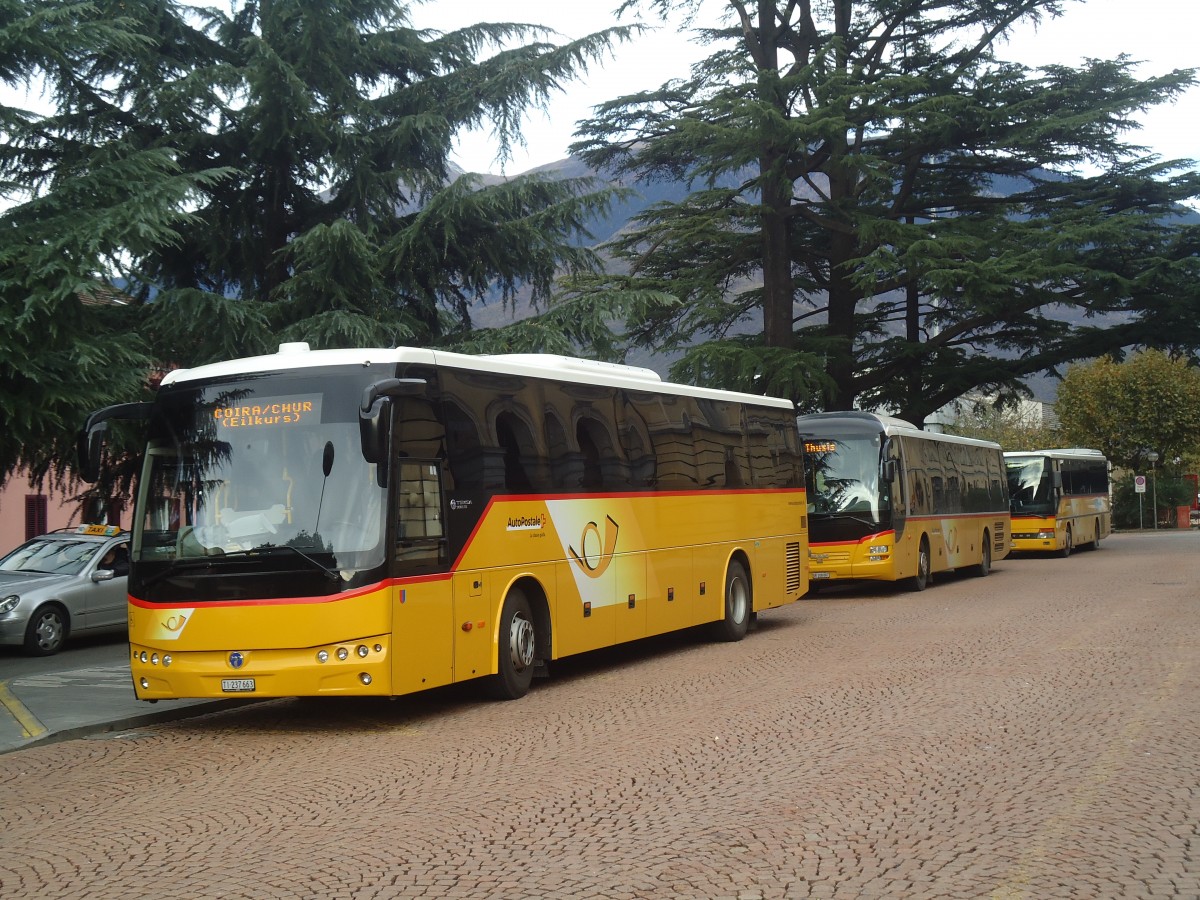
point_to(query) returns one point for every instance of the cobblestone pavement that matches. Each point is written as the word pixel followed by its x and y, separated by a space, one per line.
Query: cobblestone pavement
pixel 1031 734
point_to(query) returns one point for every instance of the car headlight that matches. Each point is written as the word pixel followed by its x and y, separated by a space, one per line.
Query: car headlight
pixel 9 603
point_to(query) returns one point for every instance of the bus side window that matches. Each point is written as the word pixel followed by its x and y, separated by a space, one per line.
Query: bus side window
pixel 419 511
pixel 516 444
pixel 592 478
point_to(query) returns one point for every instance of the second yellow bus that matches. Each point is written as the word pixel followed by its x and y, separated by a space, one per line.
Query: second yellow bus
pixel 890 502
pixel 1060 499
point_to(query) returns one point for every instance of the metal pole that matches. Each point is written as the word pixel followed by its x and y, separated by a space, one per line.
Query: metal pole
pixel 1152 458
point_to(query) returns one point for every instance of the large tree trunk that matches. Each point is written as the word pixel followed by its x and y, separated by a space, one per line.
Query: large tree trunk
pixel 843 296
pixel 776 199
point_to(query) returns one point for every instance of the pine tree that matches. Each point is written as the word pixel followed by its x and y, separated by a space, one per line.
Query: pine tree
pixel 878 191
pixel 276 172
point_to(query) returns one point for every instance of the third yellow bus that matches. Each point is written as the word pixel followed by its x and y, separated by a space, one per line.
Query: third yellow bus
pixel 1060 499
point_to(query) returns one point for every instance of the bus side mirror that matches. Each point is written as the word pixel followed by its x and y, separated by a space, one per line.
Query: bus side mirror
pixel 89 444
pixel 373 431
pixel 1057 481
pixel 90 449
pixel 374 414
pixel 889 471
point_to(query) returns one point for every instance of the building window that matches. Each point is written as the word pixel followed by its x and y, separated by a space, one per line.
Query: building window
pixel 36 518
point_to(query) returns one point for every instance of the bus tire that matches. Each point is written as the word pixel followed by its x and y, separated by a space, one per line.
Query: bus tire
pixel 1095 544
pixel 516 657
pixel 1069 545
pixel 738 605
pixel 984 568
pixel 920 581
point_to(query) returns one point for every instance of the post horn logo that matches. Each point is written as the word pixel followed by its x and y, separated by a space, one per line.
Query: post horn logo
pixel 593 560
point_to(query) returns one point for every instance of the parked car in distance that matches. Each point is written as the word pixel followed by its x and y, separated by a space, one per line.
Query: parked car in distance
pixel 67 582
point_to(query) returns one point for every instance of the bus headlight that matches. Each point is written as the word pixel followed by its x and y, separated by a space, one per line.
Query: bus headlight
pixel 881 548
pixel 342 653
pixel 322 656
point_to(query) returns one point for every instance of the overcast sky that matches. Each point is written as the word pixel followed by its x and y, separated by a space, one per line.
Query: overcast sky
pixel 1164 34
pixel 1161 33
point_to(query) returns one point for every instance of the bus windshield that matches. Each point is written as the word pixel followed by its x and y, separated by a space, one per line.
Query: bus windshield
pixel 843 476
pixel 1030 485
pixel 240 472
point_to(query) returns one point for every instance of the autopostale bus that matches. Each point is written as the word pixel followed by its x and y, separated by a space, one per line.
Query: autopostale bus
pixel 379 522
pixel 890 502
pixel 1060 499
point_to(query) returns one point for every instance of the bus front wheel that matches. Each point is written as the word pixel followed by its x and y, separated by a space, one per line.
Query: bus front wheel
pixel 920 581
pixel 1068 545
pixel 738 605
pixel 516 650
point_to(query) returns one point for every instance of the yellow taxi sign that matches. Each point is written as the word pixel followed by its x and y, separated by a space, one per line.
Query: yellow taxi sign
pixel 105 530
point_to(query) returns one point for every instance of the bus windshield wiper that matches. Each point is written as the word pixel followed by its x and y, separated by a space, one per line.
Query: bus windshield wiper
pixel 271 548
pixel 174 567
pixel 205 562
pixel 853 517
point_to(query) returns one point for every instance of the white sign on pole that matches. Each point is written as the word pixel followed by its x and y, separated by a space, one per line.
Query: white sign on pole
pixel 1139 484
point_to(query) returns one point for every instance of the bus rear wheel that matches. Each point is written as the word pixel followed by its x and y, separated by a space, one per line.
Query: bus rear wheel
pixel 985 559
pixel 920 581
pixel 1095 544
pixel 516 650
pixel 738 605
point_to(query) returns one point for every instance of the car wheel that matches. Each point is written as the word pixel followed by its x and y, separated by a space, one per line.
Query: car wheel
pixel 47 630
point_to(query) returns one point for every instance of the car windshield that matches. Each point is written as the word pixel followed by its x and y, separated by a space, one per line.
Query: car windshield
pixel 51 557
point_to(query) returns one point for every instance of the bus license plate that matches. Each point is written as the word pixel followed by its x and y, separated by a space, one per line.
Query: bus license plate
pixel 237 685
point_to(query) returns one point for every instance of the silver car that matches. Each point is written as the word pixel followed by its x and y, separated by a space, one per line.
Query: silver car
pixel 67 582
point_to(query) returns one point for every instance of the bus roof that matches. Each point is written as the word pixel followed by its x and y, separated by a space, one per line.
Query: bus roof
pixel 1062 453
pixel 890 425
pixel 297 356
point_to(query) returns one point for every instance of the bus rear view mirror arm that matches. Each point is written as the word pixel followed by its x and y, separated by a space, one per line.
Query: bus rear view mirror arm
pixel 373 419
pixel 390 387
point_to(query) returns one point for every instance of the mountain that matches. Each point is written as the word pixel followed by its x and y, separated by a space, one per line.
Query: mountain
pixel 601 229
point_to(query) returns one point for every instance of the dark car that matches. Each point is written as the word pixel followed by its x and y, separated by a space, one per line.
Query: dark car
pixel 64 583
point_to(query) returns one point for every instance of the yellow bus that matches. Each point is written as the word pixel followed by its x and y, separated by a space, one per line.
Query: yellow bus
pixel 890 502
pixel 1060 499
pixel 379 522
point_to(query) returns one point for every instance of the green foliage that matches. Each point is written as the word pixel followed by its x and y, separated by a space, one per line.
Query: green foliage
pixel 1150 402
pixel 72 343
pixel 252 173
pixel 1012 426
pixel 1134 510
pixel 876 187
